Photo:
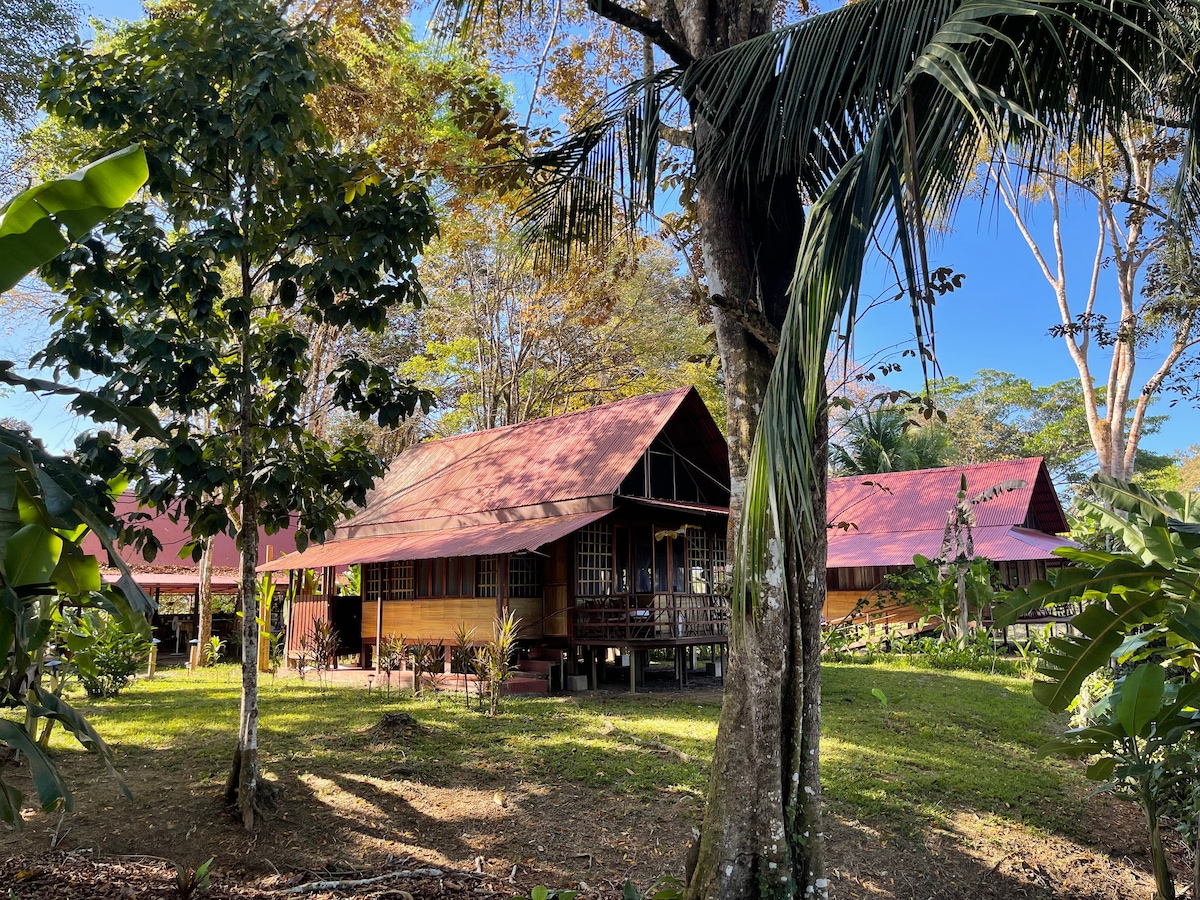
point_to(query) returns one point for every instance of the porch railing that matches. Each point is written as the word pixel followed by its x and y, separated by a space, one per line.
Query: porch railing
pixel 649 618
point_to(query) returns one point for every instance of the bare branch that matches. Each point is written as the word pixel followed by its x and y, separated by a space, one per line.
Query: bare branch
pixel 651 28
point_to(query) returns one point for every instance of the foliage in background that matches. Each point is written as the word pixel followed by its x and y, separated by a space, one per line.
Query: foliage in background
pixel 500 342
pixel 30 31
pixel 1141 606
pixel 887 438
pixel 928 588
pixel 997 415
pixel 271 234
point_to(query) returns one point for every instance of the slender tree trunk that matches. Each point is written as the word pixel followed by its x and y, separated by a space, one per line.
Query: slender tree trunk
pixel 243 785
pixel 204 611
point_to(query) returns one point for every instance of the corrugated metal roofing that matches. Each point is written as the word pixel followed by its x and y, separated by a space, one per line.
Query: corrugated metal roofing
pixel 567 457
pixel 916 501
pixel 897 548
pixel 893 516
pixel 474 540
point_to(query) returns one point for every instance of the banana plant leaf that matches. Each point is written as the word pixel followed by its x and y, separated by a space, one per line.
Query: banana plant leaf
pixel 1069 660
pixel 47 782
pixel 33 223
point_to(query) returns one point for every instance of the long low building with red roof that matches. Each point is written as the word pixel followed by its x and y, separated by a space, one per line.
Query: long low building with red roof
pixel 605 529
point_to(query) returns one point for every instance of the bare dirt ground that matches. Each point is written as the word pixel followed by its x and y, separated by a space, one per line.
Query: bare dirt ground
pixel 484 843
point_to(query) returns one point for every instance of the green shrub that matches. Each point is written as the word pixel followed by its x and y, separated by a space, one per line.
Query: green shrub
pixel 112 660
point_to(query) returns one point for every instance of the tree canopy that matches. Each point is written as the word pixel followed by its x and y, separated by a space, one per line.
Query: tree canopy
pixel 201 302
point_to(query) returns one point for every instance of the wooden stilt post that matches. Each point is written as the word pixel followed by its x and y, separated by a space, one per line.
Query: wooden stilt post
pixel 632 671
pixel 593 652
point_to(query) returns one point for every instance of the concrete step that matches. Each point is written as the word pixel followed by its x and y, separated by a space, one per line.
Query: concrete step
pixel 519 685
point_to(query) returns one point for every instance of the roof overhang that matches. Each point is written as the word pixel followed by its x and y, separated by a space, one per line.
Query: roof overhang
pixel 999 543
pixel 473 540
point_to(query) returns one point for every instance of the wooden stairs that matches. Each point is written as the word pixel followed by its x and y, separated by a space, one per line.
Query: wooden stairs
pixel 538 671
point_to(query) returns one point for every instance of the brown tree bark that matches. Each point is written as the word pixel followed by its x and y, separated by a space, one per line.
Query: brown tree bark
pixel 762 832
pixel 204 604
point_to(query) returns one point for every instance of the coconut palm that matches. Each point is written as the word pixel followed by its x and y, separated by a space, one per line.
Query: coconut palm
pixel 808 141
pixel 883 440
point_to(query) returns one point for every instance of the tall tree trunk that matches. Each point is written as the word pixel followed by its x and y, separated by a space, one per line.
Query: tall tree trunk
pixel 243 785
pixel 204 605
pixel 762 830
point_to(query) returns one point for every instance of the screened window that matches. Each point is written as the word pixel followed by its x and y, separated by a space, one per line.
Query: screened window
pixel 389 581
pixel 699 564
pixel 485 577
pixel 595 561
pixel 525 576
pixel 643 559
pixel 720 574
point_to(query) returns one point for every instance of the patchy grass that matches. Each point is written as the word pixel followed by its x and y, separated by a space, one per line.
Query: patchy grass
pixel 943 740
pixel 578 787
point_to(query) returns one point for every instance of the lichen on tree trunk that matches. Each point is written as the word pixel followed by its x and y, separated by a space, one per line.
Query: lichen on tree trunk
pixel 762 833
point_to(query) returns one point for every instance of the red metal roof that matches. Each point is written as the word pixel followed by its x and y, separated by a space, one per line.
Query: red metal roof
pixel 891 517
pixel 995 542
pixel 543 461
pixel 474 540
pixel 174 535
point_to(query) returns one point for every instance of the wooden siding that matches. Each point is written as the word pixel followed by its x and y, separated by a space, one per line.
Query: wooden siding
pixel 304 611
pixel 438 619
pixel 839 604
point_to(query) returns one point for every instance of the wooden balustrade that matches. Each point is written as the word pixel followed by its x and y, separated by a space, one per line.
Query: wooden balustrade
pixel 651 619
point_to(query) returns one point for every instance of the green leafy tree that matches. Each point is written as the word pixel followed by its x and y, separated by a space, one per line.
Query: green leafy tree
pixel 804 140
pixel 1141 606
pixel 30 31
pixel 203 302
pixel 997 415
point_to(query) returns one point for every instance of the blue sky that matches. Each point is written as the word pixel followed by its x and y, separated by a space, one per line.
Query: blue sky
pixel 998 320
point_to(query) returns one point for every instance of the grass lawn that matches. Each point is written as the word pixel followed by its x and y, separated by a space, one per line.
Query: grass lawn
pixel 563 787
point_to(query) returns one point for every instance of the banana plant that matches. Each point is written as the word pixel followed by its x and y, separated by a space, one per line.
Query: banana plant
pixel 1141 609
pixel 1146 594
pixel 39 223
pixel 46 506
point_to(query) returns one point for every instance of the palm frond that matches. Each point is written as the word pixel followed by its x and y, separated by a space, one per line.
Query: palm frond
pixel 998 72
pixel 612 153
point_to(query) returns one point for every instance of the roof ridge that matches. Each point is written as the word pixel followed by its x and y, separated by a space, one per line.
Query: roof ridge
pixel 953 468
pixel 508 429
